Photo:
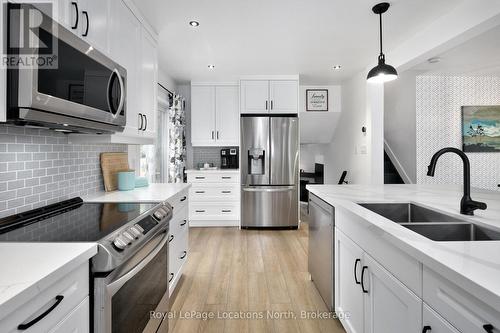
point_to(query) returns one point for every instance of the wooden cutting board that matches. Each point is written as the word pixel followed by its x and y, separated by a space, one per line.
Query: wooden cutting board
pixel 111 164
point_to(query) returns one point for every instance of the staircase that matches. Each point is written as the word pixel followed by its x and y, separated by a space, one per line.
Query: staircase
pixel 391 175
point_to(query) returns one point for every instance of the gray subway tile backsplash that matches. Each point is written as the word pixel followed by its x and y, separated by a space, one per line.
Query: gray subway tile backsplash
pixel 38 167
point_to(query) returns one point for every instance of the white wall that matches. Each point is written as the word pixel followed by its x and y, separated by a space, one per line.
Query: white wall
pixel 399 121
pixel 166 80
pixel 439 125
pixel 310 154
pixel 361 154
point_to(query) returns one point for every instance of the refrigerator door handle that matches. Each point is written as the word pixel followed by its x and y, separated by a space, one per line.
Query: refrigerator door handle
pixel 267 189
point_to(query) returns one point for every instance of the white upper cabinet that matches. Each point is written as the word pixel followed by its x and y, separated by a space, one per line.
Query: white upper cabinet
pixel 283 96
pixel 94 23
pixel 227 115
pixel 149 82
pixel 269 96
pixel 124 48
pixel 202 115
pixel 254 96
pixel 214 115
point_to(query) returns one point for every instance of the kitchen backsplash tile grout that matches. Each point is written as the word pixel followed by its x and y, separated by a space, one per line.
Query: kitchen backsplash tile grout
pixel 39 167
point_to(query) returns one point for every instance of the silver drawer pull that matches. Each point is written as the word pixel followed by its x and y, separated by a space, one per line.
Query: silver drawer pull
pixel 200 211
pixel 199 191
pixel 226 191
pixel 226 210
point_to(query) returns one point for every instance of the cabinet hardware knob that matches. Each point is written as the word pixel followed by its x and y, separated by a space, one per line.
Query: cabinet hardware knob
pixel 226 177
pixel 183 198
pixel 200 211
pixel 363 279
pixel 199 191
pixel 145 122
pixel 171 238
pixel 355 271
pixel 266 105
pixel 217 135
pixel 226 192
pixel 488 328
pixel 226 210
pixel 199 177
pixel 76 16
pixel 213 135
pixel 271 104
pixel 183 223
pixel 141 120
pixel 184 254
pixel 171 277
pixel 58 301
pixel 426 329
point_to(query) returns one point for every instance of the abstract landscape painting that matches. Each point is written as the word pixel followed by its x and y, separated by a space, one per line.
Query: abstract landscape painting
pixel 481 128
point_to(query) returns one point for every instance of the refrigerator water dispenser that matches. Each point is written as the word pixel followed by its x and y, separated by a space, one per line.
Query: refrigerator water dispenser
pixel 256 161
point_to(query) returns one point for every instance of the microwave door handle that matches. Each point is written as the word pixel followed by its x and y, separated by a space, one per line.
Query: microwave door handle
pixel 122 93
pixel 114 286
pixel 108 90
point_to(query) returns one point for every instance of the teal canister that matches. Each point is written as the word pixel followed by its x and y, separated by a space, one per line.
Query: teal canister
pixel 126 180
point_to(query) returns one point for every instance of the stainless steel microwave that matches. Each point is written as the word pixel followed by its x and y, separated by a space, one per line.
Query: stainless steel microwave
pixel 82 91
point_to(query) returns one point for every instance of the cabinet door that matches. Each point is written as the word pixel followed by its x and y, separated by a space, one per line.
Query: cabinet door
pixel 390 307
pixel 67 13
pixel 348 294
pixel 203 115
pixel 254 96
pixel 124 46
pixel 93 25
pixel 434 323
pixel 149 76
pixel 227 115
pixel 283 96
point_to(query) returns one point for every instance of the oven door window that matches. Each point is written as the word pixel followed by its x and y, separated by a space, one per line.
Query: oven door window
pixel 140 295
pixel 79 79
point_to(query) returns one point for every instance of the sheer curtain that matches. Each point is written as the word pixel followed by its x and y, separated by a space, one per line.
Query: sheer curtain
pixel 177 140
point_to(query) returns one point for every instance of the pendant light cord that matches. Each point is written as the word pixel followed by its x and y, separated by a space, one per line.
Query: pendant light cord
pixel 381 52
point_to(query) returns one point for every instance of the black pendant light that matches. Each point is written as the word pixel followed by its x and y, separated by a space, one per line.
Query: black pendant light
pixel 382 72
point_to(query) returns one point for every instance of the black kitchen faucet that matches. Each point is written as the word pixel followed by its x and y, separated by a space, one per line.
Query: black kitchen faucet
pixel 467 205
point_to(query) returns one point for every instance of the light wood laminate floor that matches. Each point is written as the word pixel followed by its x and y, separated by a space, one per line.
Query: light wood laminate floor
pixel 253 271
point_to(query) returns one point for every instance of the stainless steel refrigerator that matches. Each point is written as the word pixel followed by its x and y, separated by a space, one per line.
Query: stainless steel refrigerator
pixel 269 171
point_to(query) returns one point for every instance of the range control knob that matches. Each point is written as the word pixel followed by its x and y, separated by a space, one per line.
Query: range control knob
pixel 119 244
pixel 128 237
pixel 135 232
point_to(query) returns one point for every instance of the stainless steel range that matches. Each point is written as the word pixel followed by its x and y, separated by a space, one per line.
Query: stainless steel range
pixel 130 270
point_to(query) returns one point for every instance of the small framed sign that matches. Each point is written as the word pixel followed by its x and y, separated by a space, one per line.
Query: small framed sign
pixel 316 99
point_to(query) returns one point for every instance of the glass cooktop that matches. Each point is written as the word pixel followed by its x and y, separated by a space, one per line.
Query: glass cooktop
pixel 69 221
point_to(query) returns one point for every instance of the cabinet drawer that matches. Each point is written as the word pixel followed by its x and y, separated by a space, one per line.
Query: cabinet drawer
pixel 206 177
pixel 179 200
pixel 73 288
pixel 177 256
pixel 215 192
pixel 179 223
pixel 464 311
pixel 77 321
pixel 434 323
pixel 214 211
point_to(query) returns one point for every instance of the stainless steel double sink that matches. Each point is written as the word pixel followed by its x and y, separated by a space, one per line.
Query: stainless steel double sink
pixel 432 224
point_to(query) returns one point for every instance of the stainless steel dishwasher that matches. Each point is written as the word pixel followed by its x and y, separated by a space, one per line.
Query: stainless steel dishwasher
pixel 321 248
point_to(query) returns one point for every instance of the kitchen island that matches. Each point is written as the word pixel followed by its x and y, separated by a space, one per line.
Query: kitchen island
pixel 384 269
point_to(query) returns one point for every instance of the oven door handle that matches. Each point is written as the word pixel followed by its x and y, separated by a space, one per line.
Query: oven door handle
pixel 114 286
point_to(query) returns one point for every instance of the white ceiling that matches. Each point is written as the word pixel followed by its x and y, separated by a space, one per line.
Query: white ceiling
pixel 242 37
pixel 478 56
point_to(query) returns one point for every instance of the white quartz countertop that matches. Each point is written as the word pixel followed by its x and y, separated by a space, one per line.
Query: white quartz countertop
pixel 29 268
pixel 214 171
pixel 474 266
pixel 153 193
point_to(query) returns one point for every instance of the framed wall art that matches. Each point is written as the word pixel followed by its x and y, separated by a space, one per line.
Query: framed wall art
pixel 316 99
pixel 481 128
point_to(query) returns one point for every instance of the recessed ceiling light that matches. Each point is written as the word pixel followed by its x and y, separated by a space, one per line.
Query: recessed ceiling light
pixel 434 60
pixel 194 23
pixel 211 66
pixel 337 67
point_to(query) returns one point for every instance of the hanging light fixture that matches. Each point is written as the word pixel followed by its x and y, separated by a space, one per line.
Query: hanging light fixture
pixel 382 72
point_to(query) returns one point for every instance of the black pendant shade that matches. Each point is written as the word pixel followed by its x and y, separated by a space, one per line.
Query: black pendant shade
pixel 382 72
